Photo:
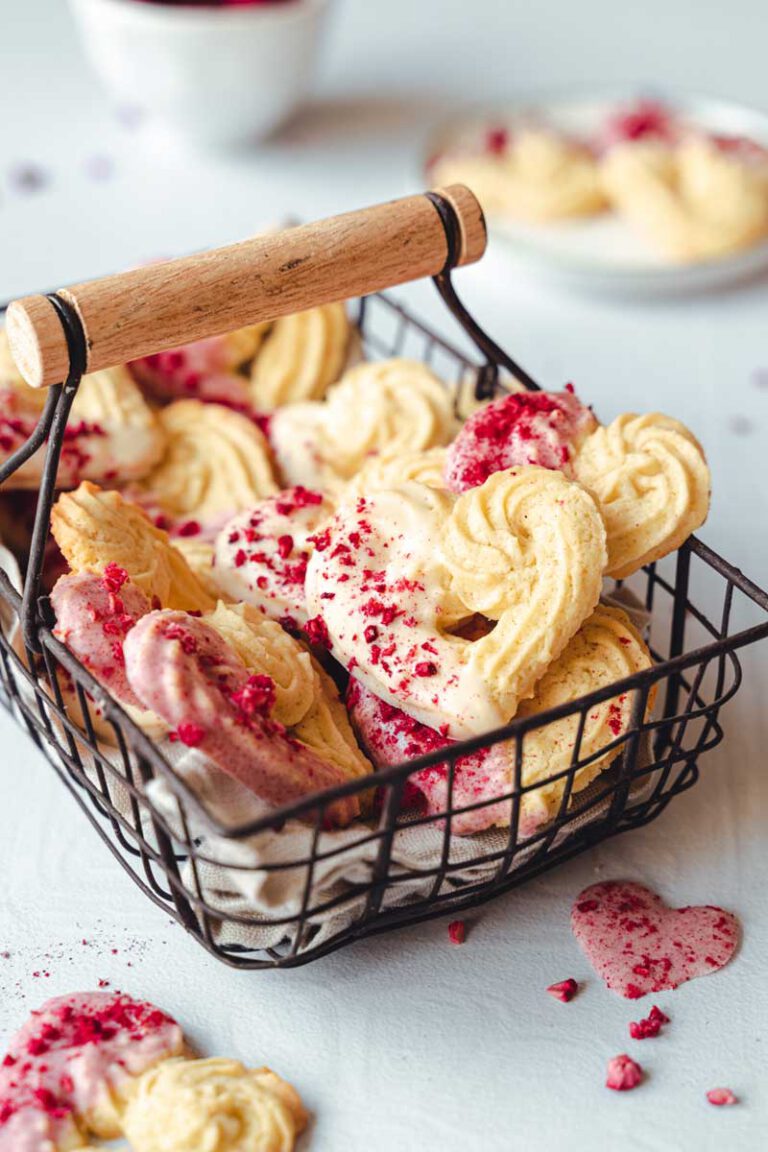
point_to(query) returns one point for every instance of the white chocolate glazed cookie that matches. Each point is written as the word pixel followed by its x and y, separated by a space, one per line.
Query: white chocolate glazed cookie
pixel 651 479
pixel 696 200
pixel 94 528
pixel 532 175
pixel 526 550
pixel 381 409
pixel 302 356
pixel 261 555
pixel 213 1105
pixel 213 370
pixel 216 462
pixel 112 434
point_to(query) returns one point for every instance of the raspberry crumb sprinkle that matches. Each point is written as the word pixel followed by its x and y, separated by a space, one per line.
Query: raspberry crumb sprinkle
pixel 721 1096
pixel 564 990
pixel 651 1026
pixel 457 932
pixel 623 1073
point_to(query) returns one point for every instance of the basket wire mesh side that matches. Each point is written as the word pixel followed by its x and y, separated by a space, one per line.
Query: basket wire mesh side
pixel 398 866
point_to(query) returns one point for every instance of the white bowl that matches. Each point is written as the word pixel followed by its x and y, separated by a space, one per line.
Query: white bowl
pixel 214 76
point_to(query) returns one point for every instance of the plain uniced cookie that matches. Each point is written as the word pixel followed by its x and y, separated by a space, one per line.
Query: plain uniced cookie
pixel 216 1104
pixel 302 356
pixel 216 462
pixel 94 528
pixel 652 482
pixel 381 472
pixel 692 200
pixel 381 409
pixel 534 175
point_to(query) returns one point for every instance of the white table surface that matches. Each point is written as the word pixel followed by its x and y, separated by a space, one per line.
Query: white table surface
pixel 405 1042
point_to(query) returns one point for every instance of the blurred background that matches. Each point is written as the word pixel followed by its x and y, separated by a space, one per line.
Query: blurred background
pixel 87 186
pixel 387 72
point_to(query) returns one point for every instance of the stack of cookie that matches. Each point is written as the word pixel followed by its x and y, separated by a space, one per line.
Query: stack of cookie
pixel 689 193
pixel 247 524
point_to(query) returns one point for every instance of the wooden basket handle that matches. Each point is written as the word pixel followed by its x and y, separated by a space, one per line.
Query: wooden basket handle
pixel 160 306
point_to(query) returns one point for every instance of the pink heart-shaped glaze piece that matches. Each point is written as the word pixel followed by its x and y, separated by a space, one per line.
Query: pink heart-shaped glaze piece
pixel 639 945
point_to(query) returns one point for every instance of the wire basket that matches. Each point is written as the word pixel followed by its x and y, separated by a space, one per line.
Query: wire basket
pixel 281 889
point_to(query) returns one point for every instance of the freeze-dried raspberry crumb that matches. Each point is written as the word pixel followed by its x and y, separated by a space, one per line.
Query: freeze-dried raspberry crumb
pixel 623 1073
pixel 256 696
pixel 426 668
pixel 186 639
pixel 651 1026
pixel 497 141
pixel 721 1096
pixel 113 577
pixel 564 990
pixel 188 528
pixel 285 546
pixel 189 734
pixel 457 932
pixel 316 631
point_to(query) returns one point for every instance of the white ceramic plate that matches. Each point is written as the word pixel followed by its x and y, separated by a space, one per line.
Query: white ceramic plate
pixel 601 253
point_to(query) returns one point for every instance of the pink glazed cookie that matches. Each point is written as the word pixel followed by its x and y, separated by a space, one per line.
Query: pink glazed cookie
pixel 544 428
pixel 639 945
pixel 261 556
pixel 67 1066
pixel 93 616
pixel 392 737
pixel 206 370
pixel 183 670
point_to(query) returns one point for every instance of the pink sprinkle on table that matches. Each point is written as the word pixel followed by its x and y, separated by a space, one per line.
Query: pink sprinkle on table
pixel 623 1073
pixel 639 945
pixel 564 990
pixel 651 1026
pixel 457 932
pixel 721 1096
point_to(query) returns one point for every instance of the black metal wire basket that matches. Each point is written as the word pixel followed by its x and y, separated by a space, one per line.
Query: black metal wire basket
pixel 197 868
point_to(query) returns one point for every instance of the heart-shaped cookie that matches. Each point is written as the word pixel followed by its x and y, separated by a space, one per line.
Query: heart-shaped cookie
pixel 379 408
pixel 638 944
pixel 695 200
pixel 398 572
pixel 651 479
